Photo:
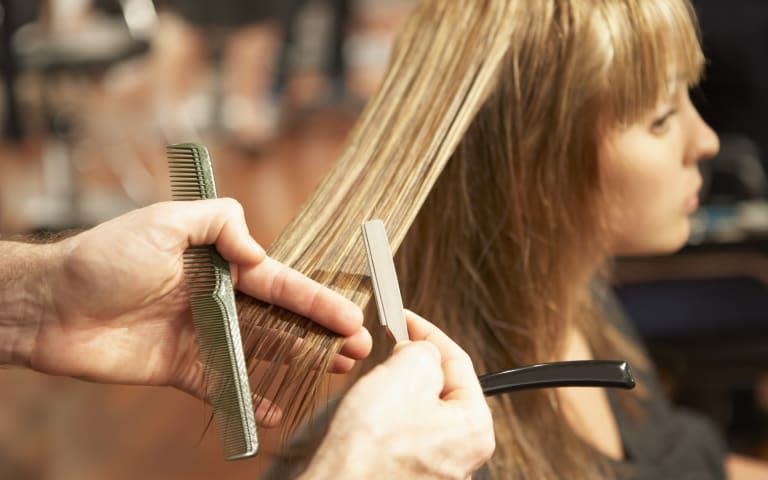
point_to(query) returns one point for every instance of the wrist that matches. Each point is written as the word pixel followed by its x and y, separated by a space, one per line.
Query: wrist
pixel 342 457
pixel 25 297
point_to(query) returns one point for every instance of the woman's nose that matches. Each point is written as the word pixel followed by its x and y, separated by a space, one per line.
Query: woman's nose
pixel 704 142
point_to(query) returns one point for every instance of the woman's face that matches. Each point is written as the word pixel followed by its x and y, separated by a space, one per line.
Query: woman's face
pixel 650 174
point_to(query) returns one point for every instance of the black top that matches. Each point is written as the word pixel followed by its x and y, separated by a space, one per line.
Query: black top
pixel 668 443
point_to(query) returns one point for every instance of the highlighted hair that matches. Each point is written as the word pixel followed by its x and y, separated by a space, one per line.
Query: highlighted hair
pixel 479 153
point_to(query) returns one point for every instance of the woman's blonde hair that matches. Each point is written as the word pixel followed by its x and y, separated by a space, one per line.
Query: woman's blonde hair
pixel 503 252
pixel 481 146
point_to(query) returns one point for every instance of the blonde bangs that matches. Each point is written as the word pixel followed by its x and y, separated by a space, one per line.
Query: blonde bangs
pixel 649 46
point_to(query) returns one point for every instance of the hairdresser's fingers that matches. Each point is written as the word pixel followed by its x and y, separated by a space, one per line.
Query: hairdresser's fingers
pixel 267 414
pixel 461 389
pixel 421 329
pixel 411 375
pixel 218 221
pixel 341 364
pixel 273 282
pixel 358 345
pixel 191 378
pixel 192 381
pixel 415 366
pixel 354 347
pixel 461 381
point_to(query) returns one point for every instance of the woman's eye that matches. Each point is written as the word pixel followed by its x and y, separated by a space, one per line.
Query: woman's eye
pixel 661 124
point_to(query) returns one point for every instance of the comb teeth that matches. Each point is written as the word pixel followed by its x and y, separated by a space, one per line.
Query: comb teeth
pixel 190 170
pixel 214 314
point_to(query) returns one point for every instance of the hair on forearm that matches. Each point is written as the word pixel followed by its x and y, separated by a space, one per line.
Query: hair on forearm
pixel 42 237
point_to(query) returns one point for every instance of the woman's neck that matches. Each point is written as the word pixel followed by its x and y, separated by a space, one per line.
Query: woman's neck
pixel 587 410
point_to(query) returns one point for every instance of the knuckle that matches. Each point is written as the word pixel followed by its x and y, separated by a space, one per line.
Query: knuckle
pixel 479 425
pixel 315 300
pixel 426 350
pixel 232 210
pixel 158 211
pixel 464 357
pixel 486 444
pixel 279 283
pixel 486 439
pixel 233 207
pixel 422 359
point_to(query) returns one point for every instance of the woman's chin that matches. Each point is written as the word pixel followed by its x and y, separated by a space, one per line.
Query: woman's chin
pixel 669 241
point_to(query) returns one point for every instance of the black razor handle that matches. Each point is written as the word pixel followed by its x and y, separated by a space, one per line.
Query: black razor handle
pixel 582 373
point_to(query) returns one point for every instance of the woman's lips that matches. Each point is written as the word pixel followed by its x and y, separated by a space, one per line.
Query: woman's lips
pixel 693 201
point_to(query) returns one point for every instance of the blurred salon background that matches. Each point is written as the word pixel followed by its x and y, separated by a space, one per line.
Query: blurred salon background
pixel 93 91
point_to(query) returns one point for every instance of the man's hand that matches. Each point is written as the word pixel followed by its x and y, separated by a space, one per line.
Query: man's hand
pixel 116 309
pixel 420 414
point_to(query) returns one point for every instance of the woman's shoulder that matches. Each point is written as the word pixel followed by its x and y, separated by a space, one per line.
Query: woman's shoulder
pixel 663 441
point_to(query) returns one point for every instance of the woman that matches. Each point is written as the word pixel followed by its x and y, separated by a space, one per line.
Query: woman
pixel 589 151
pixel 586 147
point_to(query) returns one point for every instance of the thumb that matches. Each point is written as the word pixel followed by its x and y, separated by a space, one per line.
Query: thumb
pixel 218 221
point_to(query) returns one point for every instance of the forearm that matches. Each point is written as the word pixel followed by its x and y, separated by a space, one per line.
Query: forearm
pixel 25 297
